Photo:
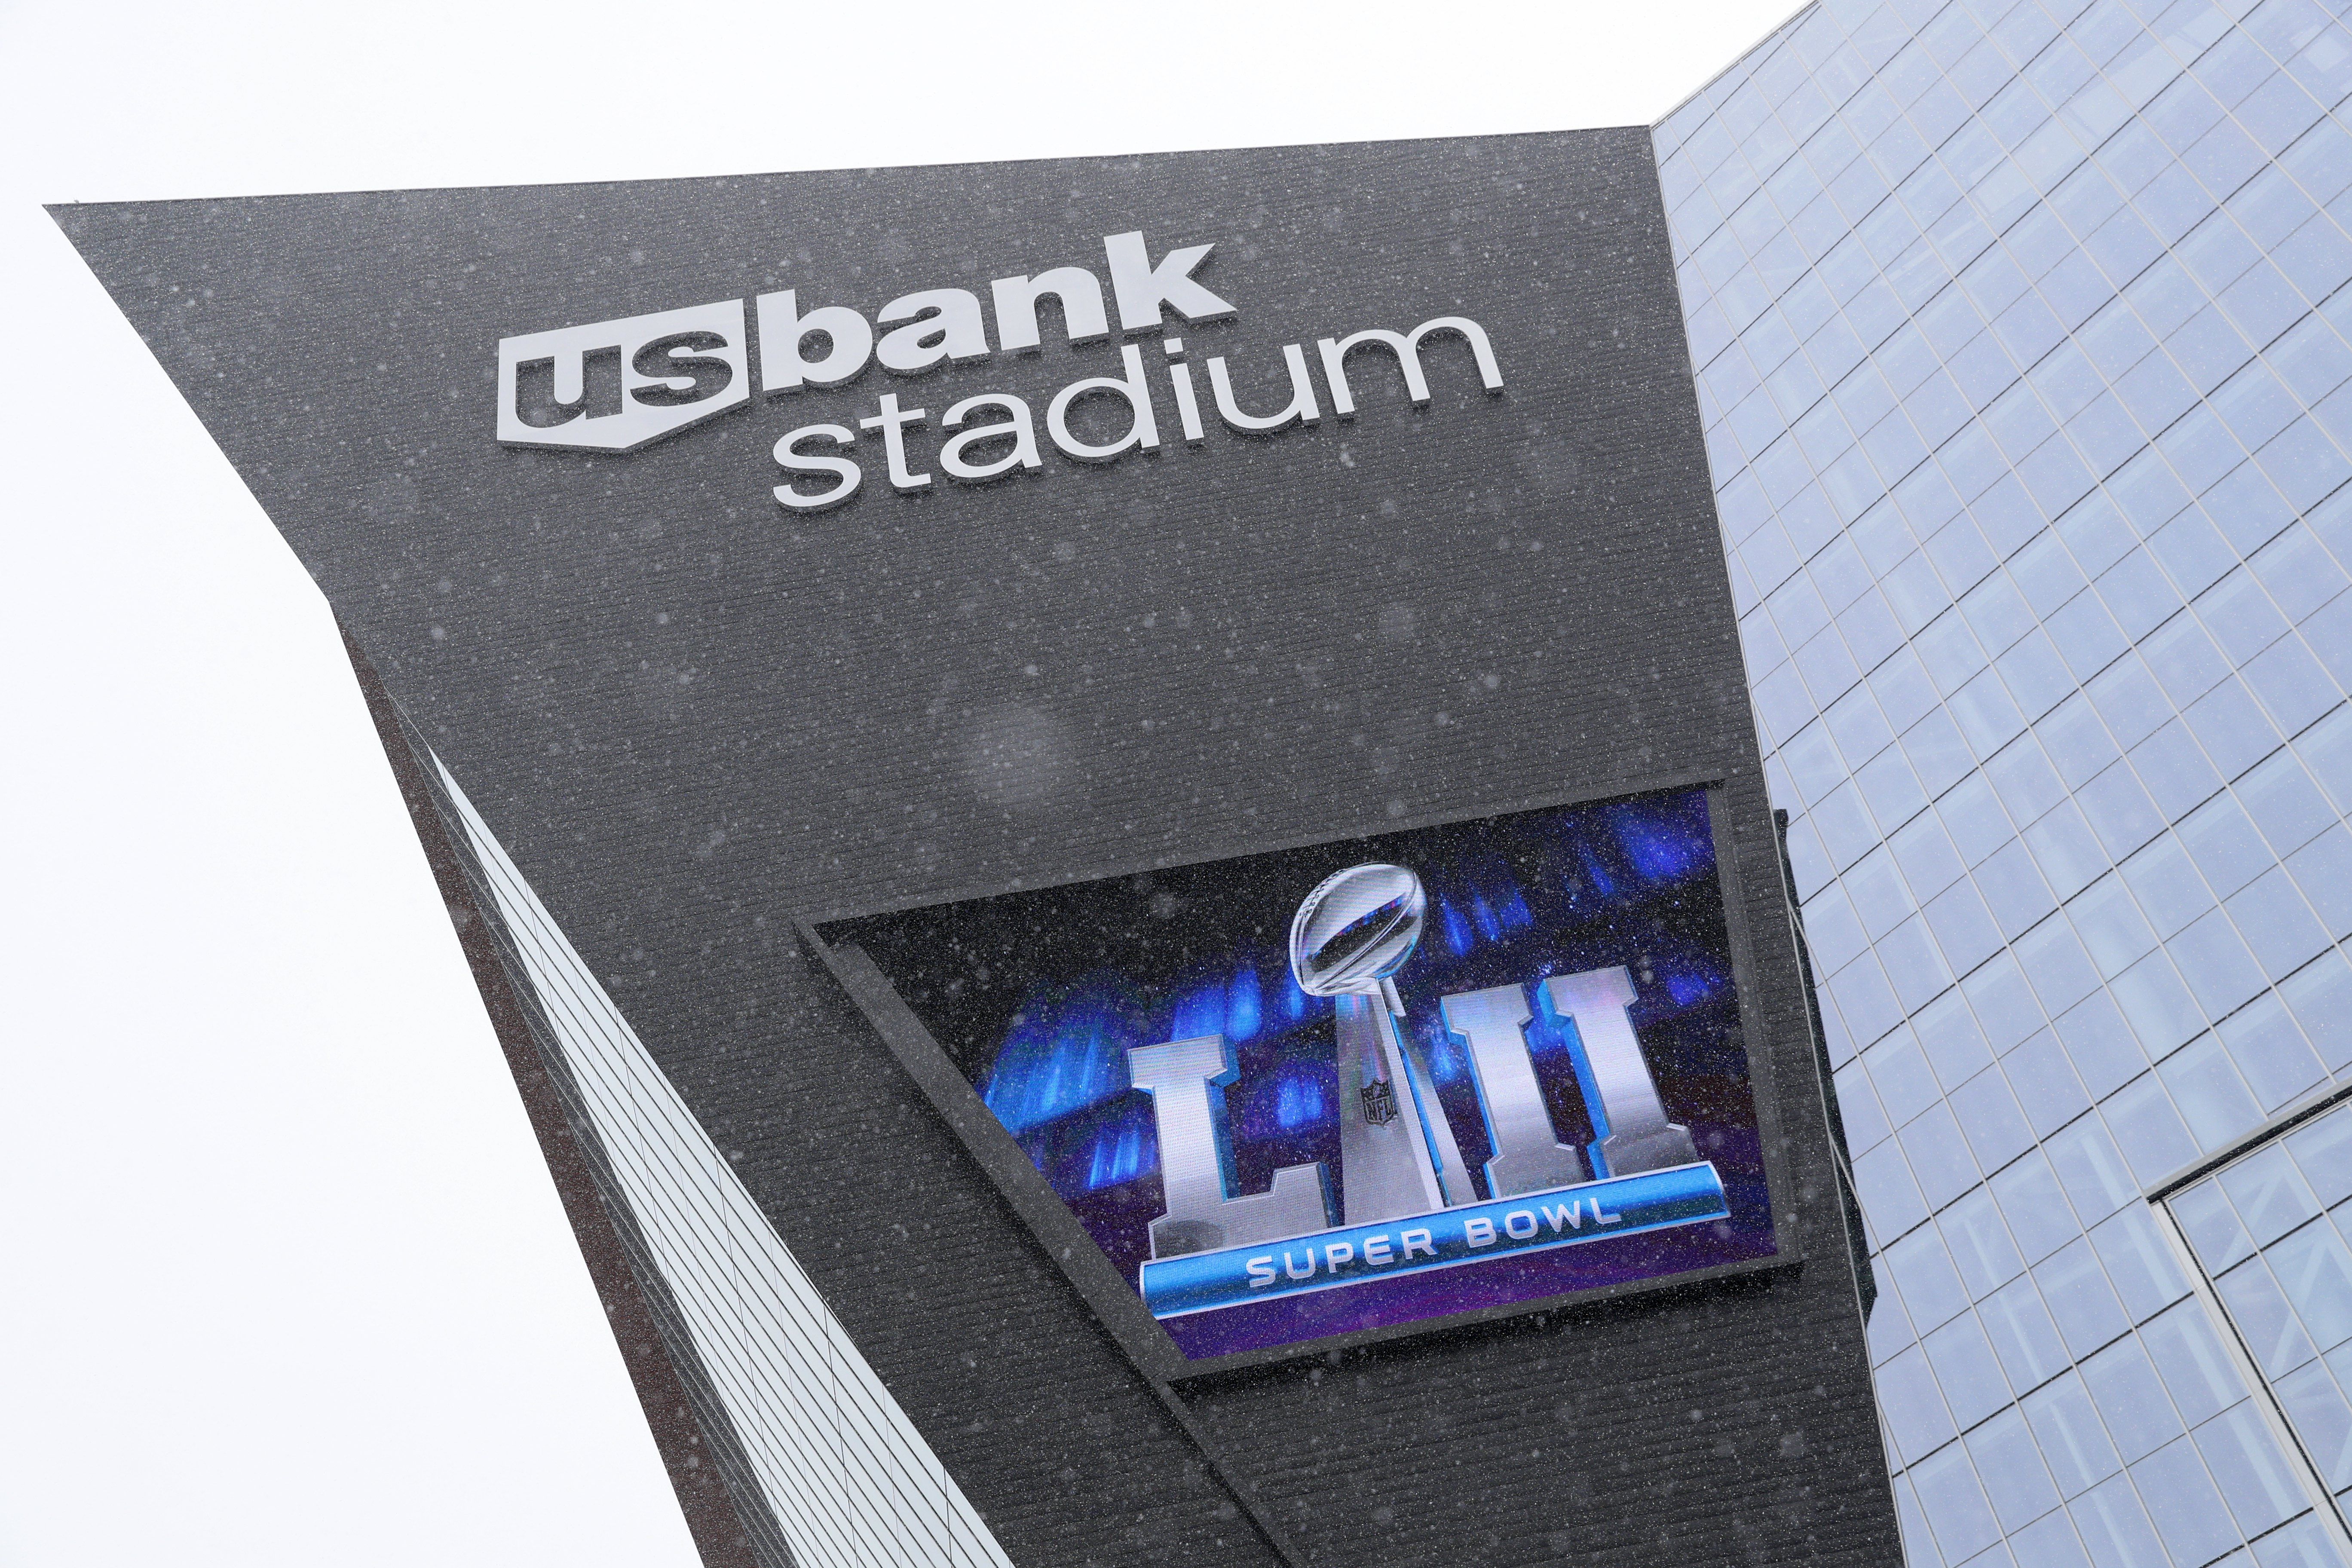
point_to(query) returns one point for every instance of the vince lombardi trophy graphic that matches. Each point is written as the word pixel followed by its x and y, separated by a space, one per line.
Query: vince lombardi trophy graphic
pixel 1397 1153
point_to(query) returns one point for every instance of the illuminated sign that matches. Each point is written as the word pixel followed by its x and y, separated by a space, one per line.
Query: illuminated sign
pixel 1364 1085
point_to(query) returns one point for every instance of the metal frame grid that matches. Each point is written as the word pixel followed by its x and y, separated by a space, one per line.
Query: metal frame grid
pixel 842 1470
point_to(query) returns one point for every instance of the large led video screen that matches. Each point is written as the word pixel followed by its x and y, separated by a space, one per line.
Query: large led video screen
pixel 1374 1082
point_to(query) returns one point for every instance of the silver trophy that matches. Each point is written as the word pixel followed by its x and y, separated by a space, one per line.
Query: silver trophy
pixel 1397 1153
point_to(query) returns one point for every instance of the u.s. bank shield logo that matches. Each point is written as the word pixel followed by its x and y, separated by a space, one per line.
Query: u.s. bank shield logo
pixel 613 387
pixel 1320 1090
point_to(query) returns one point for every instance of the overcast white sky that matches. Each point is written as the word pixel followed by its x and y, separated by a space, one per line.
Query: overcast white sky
pixel 284 1282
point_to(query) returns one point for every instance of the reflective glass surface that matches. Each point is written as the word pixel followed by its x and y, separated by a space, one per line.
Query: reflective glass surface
pixel 2268 1233
pixel 2025 359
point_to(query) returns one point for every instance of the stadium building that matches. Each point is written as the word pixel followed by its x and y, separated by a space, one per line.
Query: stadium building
pixel 1624 847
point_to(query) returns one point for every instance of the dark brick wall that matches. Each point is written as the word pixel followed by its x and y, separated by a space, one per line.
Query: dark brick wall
pixel 694 718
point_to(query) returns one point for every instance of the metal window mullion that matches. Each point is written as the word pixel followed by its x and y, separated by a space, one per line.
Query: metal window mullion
pixel 887 1435
pixel 605 1101
pixel 2265 1400
pixel 609 1076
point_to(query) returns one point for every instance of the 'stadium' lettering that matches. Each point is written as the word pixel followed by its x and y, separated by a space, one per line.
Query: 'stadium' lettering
pixel 791 457
pixel 1016 429
pixel 1142 429
pixel 1300 409
pixel 1103 418
pixel 1406 347
pixel 615 385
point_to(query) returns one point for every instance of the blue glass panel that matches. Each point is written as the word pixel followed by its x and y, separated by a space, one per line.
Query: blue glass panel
pixel 2074 1440
pixel 2046 1082
pixel 2181 1500
pixel 2328 630
pixel 1940 1157
pixel 2271 915
pixel 2299 567
pixel 2130 699
pixel 1916 1418
pixel 2065 848
pixel 2320 997
pixel 2233 728
pixel 2027 783
pixel 2278 1063
pixel 2110 923
pixel 2139 1415
pixel 2152 996
pixel 1954 1500
pixel 2316 258
pixel 2311 358
pixel 2140 1262
pixel 2174 767
pixel 1970 1374
pixel 2314 1268
pixel 2137 592
pixel 2212 1225
pixel 2294 689
pixel 2003 1002
pixel 2210 1096
pixel 2265 1319
pixel 2301 1544
pixel 2322 1151
pixel 2115 1525
pixel 2224 844
pixel 2013 889
pixel 1890 1198
pixel 2092 1169
pixel 2120 811
pixel 2024 1334
pixel 2017 1481
pixel 2314 1404
pixel 1989 1117
pixel 2106 1050
pixel 1974 816
pixel 2039 1218
pixel 2213 959
pixel 1981 1247
pixel 2148 1128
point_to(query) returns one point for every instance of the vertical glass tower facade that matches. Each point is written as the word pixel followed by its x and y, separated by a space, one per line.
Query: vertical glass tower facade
pixel 2022 334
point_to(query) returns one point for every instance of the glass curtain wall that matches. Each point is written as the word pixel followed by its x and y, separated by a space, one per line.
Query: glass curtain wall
pixel 2021 336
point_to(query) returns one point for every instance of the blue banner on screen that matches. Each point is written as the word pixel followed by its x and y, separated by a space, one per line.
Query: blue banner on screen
pixel 1594 1211
pixel 1381 1081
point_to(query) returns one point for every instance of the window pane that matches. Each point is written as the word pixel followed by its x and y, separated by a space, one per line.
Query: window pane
pixel 2316 1269
pixel 2244 1459
pixel 2270 1193
pixel 2322 1420
pixel 2213 1227
pixel 2265 1319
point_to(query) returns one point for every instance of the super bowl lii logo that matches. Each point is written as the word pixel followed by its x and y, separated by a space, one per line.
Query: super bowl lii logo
pixel 1338 1089
pixel 1408 1204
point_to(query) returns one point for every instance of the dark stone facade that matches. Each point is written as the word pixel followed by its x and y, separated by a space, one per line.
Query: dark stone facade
pixel 695 718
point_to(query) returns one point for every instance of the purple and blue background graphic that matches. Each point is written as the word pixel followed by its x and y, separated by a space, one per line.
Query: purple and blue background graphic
pixel 1037 996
